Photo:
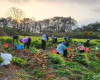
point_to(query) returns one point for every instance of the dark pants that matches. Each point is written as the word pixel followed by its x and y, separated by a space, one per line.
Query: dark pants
pixel 64 53
pixel 28 43
pixel 82 51
pixel 65 39
pixel 43 44
pixel 87 44
pixel 55 40
pixel 67 44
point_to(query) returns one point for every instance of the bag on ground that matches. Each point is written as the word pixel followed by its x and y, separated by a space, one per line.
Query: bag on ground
pixel 7 58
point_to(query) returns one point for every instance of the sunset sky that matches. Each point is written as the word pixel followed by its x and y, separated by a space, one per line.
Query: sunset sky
pixel 84 11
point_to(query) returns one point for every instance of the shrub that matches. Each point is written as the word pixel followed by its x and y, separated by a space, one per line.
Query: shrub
pixel 91 76
pixel 1 60
pixel 74 66
pixel 92 57
pixel 9 40
pixel 19 62
pixel 82 58
pixel 62 72
pixel 38 73
pixel 94 66
pixel 55 59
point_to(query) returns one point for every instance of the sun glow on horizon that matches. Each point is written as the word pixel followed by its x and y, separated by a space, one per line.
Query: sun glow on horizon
pixel 44 9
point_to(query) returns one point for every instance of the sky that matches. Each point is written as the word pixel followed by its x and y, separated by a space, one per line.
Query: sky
pixel 83 11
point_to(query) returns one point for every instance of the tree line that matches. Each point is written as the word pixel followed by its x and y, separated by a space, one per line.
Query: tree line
pixel 16 19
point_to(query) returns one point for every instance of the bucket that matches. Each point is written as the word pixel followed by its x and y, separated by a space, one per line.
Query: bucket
pixel 5 45
pixel 68 49
pixel 54 52
pixel 19 47
pixel 87 49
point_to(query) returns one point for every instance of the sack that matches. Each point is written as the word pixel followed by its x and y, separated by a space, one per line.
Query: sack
pixel 96 48
pixel 5 62
pixel 7 58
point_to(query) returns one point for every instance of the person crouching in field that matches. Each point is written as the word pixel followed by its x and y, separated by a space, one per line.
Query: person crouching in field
pixel 67 43
pixel 81 48
pixel 54 39
pixel 87 43
pixel 26 41
pixel 66 38
pixel 15 38
pixel 61 49
pixel 44 40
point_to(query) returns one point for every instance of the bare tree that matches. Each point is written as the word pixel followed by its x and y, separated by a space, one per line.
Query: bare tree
pixel 27 24
pixel 16 14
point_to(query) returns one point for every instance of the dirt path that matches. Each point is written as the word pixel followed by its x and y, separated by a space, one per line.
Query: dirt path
pixel 10 72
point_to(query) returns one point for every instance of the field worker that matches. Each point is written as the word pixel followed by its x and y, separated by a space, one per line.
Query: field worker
pixel 81 48
pixel 26 41
pixel 66 38
pixel 44 40
pixel 87 43
pixel 54 39
pixel 15 38
pixel 66 42
pixel 61 49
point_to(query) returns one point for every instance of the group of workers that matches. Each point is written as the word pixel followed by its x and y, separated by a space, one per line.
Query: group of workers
pixel 61 48
pixel 26 41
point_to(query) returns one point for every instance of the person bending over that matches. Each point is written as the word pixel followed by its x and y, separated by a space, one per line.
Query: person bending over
pixel 87 43
pixel 44 40
pixel 61 49
pixel 81 48
pixel 26 41
pixel 15 38
pixel 54 39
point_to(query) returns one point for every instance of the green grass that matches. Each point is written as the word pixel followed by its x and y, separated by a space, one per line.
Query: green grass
pixel 38 73
pixel 83 67
pixel 36 41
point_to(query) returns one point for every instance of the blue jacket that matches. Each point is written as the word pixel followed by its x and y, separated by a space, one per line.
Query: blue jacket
pixel 60 49
pixel 88 40
pixel 45 37
pixel 64 42
pixel 53 37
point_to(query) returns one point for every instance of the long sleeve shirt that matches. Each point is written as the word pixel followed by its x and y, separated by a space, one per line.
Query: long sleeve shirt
pixel 60 49
pixel 25 40
pixel 45 37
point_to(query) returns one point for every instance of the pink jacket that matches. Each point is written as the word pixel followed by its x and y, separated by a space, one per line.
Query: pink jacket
pixel 81 47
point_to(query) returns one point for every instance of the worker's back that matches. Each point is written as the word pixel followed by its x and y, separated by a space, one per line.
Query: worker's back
pixel 44 37
pixel 60 48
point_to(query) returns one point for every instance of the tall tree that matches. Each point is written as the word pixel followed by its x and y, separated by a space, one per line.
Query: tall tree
pixel 16 14
pixel 4 22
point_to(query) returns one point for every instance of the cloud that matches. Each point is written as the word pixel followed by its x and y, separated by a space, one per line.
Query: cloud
pixel 17 1
pixel 97 10
pixel 75 1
